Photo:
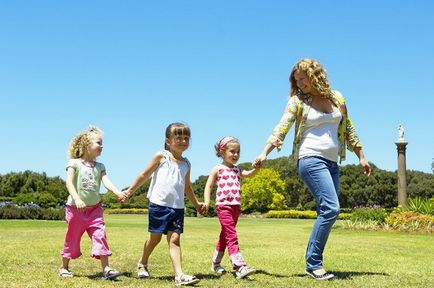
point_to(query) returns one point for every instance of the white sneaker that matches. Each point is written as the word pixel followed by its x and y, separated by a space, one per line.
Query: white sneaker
pixel 217 268
pixel 185 280
pixel 244 271
pixel 142 271
pixel 319 274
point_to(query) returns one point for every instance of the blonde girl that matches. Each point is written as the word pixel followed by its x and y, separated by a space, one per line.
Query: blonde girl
pixel 83 210
pixel 226 176
pixel 170 172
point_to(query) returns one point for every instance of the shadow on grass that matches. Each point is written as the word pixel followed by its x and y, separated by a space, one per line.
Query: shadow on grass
pixel 264 272
pixel 346 275
pixel 164 278
pixel 99 276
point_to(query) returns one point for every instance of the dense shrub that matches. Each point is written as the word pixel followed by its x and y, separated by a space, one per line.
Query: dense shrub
pixel 127 211
pixel 15 212
pixel 421 206
pixel 366 214
pixel 47 200
pixel 344 216
pixel 22 199
pixel 296 214
pixel 410 221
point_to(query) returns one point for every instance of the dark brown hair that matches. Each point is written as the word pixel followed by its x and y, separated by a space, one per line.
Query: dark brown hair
pixel 176 129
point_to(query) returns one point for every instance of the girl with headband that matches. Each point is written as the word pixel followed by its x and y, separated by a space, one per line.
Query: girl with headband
pixel 226 176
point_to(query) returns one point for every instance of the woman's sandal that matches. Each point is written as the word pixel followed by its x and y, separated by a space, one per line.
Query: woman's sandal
pixel 184 280
pixel 65 273
pixel 110 274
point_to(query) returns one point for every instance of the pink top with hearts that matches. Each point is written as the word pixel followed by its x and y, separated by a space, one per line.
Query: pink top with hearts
pixel 228 186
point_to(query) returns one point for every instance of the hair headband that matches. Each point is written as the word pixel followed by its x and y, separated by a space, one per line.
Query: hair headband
pixel 225 141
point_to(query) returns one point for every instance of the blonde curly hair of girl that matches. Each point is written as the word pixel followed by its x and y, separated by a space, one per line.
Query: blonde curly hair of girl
pixel 81 142
pixel 315 73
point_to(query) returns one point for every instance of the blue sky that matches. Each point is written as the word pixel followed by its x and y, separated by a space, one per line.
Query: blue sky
pixel 133 67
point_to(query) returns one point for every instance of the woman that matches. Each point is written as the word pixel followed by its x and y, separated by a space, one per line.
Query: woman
pixel 322 132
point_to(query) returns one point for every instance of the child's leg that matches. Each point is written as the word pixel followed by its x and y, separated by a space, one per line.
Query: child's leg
pixel 220 248
pixel 228 216
pixel 154 239
pixel 107 272
pixel 97 233
pixel 174 241
pixel 64 270
pixel 104 262
pixel 65 263
pixel 76 227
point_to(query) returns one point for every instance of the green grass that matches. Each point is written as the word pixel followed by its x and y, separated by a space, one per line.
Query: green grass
pixel 29 255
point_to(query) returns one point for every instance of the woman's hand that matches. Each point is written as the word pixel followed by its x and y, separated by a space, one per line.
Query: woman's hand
pixel 366 167
pixel 362 160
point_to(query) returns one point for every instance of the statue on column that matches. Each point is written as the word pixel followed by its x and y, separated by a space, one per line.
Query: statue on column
pixel 402 182
pixel 400 132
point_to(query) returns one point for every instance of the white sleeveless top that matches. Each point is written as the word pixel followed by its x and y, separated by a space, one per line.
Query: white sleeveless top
pixel 320 137
pixel 168 182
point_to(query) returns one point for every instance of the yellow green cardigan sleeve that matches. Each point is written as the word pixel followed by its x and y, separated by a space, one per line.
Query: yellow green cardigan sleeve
pixel 286 121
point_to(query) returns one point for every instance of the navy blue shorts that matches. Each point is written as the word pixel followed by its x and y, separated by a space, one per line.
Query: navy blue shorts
pixel 163 219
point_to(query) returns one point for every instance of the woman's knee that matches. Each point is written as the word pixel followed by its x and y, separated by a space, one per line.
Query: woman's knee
pixel 332 212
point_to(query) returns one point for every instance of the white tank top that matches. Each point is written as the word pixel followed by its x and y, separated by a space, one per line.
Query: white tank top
pixel 168 182
pixel 320 137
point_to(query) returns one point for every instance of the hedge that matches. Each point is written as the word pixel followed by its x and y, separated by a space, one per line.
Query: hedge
pixel 297 214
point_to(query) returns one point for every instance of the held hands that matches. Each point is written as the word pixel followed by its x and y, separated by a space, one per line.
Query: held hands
pixel 200 207
pixel 205 208
pixel 126 194
pixel 121 196
pixel 259 161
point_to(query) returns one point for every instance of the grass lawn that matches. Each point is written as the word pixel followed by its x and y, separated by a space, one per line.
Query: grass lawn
pixel 29 255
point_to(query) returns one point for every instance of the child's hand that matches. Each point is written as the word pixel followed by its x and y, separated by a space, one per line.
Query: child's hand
pixel 205 208
pixel 127 195
pixel 121 197
pixel 81 206
pixel 259 161
pixel 200 208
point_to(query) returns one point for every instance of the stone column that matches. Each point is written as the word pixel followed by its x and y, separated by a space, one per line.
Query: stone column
pixel 402 175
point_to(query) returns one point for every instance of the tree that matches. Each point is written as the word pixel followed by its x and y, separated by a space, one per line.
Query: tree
pixel 264 191
pixel 109 199
pixel 198 186
pixel 47 200
pixel 23 199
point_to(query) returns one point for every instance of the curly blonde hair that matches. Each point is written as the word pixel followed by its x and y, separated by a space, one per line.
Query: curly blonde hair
pixel 315 73
pixel 80 143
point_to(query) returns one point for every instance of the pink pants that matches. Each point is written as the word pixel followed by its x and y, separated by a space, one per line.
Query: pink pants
pixel 228 216
pixel 92 221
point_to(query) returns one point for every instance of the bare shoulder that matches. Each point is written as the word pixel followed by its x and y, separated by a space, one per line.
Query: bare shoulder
pixel 215 169
pixel 158 157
